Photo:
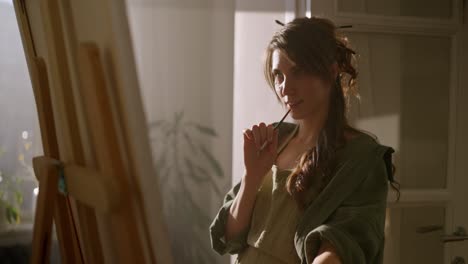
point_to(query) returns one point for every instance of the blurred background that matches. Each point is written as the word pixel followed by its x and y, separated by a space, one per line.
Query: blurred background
pixel 199 65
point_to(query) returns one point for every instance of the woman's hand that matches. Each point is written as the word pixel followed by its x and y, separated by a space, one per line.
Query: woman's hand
pixel 327 254
pixel 257 164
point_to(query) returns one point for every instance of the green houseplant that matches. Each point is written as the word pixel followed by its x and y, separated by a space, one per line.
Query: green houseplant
pixel 10 201
pixel 11 197
pixel 190 175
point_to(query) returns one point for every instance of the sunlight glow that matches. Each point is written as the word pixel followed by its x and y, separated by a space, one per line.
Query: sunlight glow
pixel 7 1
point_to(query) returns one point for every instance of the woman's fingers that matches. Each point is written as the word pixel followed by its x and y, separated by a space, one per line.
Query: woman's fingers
pixel 263 133
pixel 257 136
pixel 270 133
pixel 248 133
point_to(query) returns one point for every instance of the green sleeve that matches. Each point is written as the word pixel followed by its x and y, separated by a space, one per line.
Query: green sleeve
pixel 217 228
pixel 356 228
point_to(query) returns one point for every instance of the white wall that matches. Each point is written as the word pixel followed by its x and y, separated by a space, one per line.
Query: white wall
pixel 254 101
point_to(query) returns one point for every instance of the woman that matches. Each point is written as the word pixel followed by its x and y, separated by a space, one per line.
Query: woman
pixel 317 193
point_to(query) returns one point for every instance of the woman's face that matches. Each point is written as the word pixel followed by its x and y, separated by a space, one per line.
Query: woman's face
pixel 307 95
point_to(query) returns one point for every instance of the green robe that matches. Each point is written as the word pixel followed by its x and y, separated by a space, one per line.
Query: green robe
pixel 349 212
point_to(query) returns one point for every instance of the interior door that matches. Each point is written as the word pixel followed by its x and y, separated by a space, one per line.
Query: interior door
pixel 80 52
pixel 412 68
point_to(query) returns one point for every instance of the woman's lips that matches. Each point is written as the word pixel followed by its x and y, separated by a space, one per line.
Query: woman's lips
pixel 295 104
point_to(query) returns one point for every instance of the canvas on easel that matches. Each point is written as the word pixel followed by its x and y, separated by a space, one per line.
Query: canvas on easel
pixel 96 152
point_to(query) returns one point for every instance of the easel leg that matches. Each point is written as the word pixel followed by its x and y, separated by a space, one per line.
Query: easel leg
pixel 47 172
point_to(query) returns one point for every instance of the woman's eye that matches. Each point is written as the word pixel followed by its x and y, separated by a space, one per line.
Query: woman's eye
pixel 278 78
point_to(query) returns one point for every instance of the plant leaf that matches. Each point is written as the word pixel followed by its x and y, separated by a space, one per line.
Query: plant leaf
pixel 189 142
pixel 193 171
pixel 19 197
pixel 157 124
pixel 201 170
pixel 212 161
pixel 12 214
pixel 204 129
pixel 169 133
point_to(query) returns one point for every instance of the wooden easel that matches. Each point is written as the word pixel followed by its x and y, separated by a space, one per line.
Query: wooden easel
pixel 101 187
pixel 85 185
pixel 50 204
pixel 55 205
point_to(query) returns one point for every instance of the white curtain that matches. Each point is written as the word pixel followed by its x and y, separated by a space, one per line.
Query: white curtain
pixel 184 53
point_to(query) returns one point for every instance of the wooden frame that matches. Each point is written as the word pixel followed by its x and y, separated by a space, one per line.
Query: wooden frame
pixel 101 218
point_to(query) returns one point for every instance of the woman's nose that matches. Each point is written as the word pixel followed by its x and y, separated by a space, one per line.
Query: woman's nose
pixel 288 87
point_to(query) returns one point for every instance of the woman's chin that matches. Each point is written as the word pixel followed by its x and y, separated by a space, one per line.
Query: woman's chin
pixel 296 115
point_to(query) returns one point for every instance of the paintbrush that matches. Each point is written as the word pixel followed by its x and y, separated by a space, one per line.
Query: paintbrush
pixel 274 128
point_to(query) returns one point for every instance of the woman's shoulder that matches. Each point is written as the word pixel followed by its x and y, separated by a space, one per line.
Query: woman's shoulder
pixel 363 143
pixel 366 148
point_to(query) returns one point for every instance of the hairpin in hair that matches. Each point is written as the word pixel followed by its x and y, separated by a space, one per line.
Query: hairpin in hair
pixel 282 24
pixel 279 23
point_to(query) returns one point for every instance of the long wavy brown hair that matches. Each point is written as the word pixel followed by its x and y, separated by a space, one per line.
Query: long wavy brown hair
pixel 314 45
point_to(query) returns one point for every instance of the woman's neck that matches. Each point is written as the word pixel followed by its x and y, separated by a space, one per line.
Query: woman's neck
pixel 309 129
